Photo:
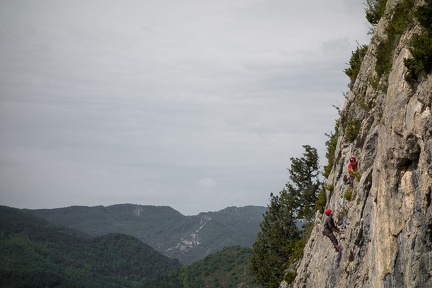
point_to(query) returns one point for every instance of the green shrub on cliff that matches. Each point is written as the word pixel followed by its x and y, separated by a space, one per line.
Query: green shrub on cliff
pixel 375 10
pixel 355 63
pixel 399 21
pixel 331 149
pixel 352 129
pixel 420 46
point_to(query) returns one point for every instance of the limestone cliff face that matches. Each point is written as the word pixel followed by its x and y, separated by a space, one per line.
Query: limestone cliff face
pixel 388 239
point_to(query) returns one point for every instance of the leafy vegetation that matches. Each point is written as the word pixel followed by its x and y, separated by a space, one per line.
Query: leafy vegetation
pixel 42 254
pixel 280 243
pixel 228 268
pixel 331 149
pixel 424 15
pixel 421 63
pixel 305 184
pixel 320 204
pixel 352 129
pixel 420 46
pixel 273 250
pixel 375 10
pixel 355 63
pixel 348 193
pixel 399 22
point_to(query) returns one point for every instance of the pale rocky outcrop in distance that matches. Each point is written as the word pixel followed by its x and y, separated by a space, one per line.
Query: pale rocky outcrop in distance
pixel 388 241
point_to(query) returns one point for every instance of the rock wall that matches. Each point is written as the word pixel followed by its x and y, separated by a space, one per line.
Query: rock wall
pixel 388 239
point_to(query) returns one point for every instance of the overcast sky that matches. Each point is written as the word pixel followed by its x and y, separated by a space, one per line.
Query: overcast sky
pixel 197 105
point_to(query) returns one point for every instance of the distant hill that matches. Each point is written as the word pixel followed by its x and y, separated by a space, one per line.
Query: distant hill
pixel 187 238
pixel 37 253
pixel 229 267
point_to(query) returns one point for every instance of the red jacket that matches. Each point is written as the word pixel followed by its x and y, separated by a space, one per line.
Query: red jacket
pixel 352 167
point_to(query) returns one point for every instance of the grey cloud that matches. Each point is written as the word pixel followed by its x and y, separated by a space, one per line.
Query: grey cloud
pixel 166 103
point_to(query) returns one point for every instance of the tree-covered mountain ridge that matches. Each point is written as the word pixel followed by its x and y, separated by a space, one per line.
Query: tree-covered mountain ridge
pixel 38 253
pixel 186 238
pixel 386 124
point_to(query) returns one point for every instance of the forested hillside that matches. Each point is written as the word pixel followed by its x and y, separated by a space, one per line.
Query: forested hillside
pixel 37 253
pixel 187 238
pixel 228 268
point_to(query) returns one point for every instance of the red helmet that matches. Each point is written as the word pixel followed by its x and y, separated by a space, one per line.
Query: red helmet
pixel 328 212
pixel 352 159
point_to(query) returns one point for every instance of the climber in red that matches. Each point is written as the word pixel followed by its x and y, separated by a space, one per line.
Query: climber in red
pixel 330 227
pixel 352 170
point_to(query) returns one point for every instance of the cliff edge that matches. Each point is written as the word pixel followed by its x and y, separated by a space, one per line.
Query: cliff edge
pixel 388 238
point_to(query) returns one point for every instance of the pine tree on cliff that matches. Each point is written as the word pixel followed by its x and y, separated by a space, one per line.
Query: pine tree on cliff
pixel 305 184
pixel 280 243
pixel 275 242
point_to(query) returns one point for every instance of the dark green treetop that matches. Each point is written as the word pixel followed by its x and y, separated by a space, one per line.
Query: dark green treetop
pixel 280 243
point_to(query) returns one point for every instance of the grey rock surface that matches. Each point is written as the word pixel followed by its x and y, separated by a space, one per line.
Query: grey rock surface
pixel 388 239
